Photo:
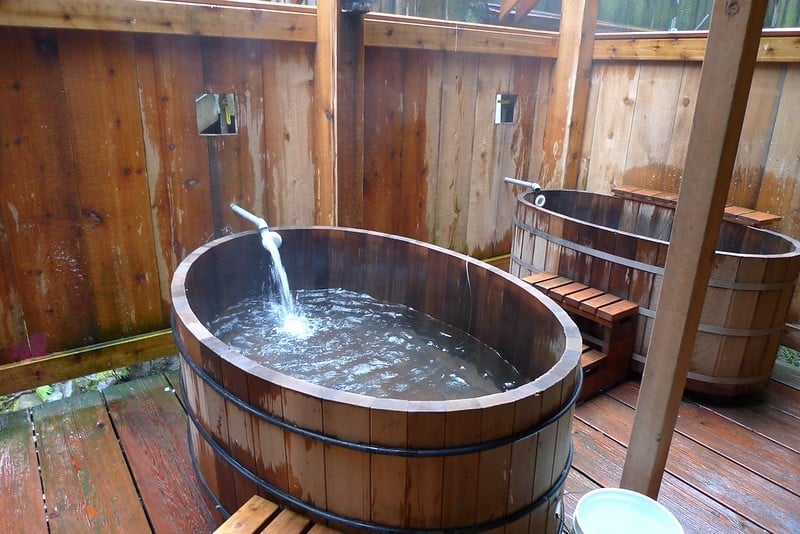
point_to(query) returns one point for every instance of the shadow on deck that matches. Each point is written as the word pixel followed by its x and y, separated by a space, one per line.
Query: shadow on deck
pixel 118 460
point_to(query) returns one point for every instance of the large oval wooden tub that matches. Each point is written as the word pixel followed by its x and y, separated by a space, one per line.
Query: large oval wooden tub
pixel 365 463
pixel 620 245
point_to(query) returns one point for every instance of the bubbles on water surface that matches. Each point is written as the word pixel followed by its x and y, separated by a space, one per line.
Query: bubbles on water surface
pixel 353 342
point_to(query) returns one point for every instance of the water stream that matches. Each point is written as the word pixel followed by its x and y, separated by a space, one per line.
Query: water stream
pixel 353 342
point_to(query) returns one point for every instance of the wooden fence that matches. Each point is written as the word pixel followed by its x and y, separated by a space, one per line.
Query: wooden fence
pixel 105 184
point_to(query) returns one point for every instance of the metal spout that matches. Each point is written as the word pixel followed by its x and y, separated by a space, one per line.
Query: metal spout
pixel 260 223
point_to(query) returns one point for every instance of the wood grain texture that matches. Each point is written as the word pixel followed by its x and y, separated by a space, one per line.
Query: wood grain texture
pixel 288 194
pixel 242 19
pixel 615 108
pixel 150 423
pixel 85 490
pixel 719 116
pixel 170 77
pixel 44 237
pixel 99 74
pixel 652 124
pixel 23 506
pixel 237 163
pixel 759 121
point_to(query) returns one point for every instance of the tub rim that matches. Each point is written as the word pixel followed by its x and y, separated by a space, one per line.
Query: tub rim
pixel 186 318
pixel 521 198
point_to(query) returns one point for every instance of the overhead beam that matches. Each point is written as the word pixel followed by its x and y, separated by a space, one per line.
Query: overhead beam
pixel 569 94
pixel 721 101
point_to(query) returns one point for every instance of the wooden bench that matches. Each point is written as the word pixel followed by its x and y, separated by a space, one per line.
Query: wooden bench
pixel 734 214
pixel 606 321
pixel 260 515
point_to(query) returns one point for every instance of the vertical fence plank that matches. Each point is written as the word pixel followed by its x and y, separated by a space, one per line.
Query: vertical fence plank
pixel 108 157
pixel 41 204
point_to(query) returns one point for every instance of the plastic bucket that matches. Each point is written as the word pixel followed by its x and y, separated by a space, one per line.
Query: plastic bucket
pixel 622 511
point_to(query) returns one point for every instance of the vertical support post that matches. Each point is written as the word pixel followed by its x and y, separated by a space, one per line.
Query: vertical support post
pixel 569 94
pixel 339 115
pixel 713 141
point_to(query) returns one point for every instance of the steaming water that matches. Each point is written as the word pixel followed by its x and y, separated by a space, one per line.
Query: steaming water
pixel 353 342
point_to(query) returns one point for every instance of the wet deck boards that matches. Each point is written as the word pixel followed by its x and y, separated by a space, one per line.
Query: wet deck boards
pixel 115 461
pixel 118 460
pixel 732 467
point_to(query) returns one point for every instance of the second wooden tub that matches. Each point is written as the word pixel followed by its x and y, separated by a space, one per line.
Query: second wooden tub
pixel 379 464
pixel 619 246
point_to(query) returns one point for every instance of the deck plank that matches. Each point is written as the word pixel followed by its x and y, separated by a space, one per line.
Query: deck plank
pixel 151 425
pixel 748 449
pixel 765 419
pixel 728 483
pixel 86 481
pixel 600 458
pixel 21 508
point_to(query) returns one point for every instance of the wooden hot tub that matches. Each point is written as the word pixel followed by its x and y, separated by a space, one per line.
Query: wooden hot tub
pixel 364 463
pixel 619 246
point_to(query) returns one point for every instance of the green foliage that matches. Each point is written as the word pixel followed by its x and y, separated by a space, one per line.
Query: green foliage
pixel 43 392
pixel 790 356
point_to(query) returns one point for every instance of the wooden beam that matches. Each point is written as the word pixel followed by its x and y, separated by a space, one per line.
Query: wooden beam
pixel 257 20
pixel 59 366
pixel 526 6
pixel 721 100
pixel 451 36
pixel 569 93
pixel 349 118
pixel 225 19
pixel 505 8
pixel 775 46
pixel 339 116
pixel 325 73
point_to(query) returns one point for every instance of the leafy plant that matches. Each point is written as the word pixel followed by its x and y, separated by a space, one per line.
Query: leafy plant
pixel 790 356
pixel 43 392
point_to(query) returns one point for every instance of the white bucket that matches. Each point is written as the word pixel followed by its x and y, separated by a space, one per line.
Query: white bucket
pixel 621 511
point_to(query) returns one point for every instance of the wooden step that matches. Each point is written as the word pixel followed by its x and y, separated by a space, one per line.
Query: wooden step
pixel 591 359
pixel 260 515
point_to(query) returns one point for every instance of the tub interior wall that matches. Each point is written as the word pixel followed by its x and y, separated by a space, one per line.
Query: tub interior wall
pixel 655 222
pixel 425 279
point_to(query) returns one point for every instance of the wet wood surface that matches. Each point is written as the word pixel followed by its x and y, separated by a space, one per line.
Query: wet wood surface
pixel 734 467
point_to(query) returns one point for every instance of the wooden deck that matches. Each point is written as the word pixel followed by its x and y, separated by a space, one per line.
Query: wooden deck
pixel 118 460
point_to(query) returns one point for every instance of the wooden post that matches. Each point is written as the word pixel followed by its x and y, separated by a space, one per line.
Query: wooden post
pixel 566 110
pixel 339 115
pixel 713 141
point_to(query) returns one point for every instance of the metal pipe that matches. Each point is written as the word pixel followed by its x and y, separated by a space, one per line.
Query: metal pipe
pixel 523 183
pixel 260 223
pixel 538 200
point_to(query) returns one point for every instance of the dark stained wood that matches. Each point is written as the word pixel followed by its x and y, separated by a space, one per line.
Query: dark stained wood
pixel 600 457
pixel 170 77
pixel 237 162
pixel 22 509
pixel 150 423
pixel 111 177
pixel 85 490
pixel 729 483
pixel 736 214
pixel 600 433
pixel 43 236
pixel 707 427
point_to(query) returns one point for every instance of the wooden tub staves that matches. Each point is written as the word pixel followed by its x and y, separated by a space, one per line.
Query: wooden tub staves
pixel 619 245
pixel 363 463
